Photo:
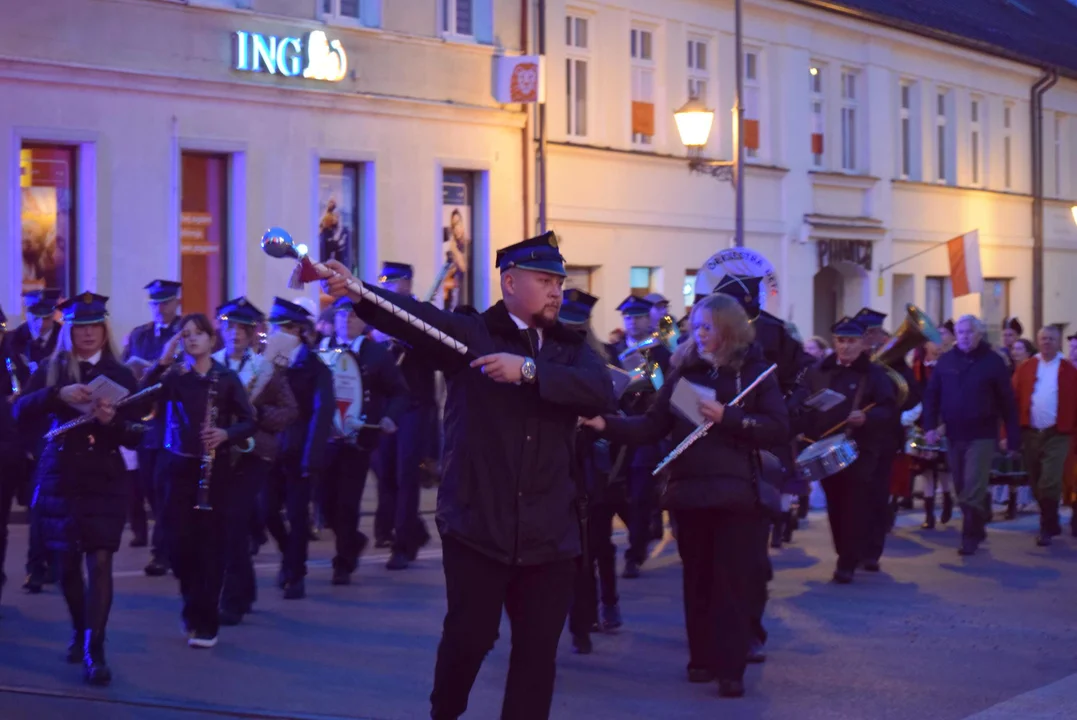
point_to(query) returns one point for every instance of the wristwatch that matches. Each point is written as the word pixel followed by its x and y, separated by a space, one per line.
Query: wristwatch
pixel 528 370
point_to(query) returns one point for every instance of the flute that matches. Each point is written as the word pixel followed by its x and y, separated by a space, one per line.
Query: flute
pixel 61 429
pixel 705 427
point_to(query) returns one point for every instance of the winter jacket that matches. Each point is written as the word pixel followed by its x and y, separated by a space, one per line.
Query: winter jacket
pixel 507 489
pixel 970 393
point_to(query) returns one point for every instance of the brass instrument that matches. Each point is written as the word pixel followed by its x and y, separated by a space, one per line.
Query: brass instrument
pixel 61 429
pixel 648 374
pixel 16 386
pixel 914 331
pixel 208 455
pixel 255 377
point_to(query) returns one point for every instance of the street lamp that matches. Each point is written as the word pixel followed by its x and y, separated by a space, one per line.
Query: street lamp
pixel 1073 210
pixel 694 121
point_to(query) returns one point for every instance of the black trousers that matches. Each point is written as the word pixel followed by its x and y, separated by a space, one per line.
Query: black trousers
pixel 717 584
pixel 762 573
pixel 240 589
pixel 155 489
pixel 136 505
pixel 197 538
pixel 846 498
pixel 399 457
pixel 342 494
pixel 290 491
pixel 536 599
pixel 9 480
pixel 877 506
pixel 589 589
pixel 39 561
pixel 641 506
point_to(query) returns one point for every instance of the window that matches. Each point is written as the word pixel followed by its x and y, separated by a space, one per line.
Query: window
pixel 818 115
pixel 348 9
pixel 47 177
pixel 578 277
pixel 457 236
pixel 576 65
pixel 942 149
pixel 689 290
pixel 995 302
pixel 641 280
pixel 643 94
pixel 457 17
pixel 338 213
pixel 906 130
pixel 698 77
pixel 975 140
pixel 1007 145
pixel 849 118
pixel 753 98
pixel 204 219
pixel 938 300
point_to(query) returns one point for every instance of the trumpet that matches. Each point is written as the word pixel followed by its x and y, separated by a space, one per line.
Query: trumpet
pixel 647 369
pixel 703 429
pixel 77 422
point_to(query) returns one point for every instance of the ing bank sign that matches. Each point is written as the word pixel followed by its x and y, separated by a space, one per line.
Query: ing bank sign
pixel 312 56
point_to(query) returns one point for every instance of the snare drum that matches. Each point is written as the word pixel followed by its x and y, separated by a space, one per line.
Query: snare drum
pixel 1008 469
pixel 827 457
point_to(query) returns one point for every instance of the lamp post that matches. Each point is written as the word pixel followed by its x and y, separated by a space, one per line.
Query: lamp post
pixel 694 121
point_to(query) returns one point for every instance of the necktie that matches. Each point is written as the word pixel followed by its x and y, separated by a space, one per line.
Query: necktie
pixel 532 337
pixel 85 369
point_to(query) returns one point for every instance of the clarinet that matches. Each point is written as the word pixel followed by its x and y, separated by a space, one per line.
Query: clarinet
pixel 208 455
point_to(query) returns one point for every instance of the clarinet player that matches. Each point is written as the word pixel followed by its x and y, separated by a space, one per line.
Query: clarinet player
pixel 206 412
pixel 507 504
pixel 82 489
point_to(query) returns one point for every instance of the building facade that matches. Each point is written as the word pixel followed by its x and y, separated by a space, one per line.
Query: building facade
pixel 866 147
pixel 145 139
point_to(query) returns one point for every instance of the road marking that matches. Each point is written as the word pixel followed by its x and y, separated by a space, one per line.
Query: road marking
pixel 1056 701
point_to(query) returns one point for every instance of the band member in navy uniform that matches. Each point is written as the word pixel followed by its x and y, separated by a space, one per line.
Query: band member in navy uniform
pixel 601 501
pixel 401 454
pixel 31 344
pixel 301 460
pixel 144 347
pixel 780 348
pixel 206 413
pixel 506 506
pixel 274 408
pixel 82 490
pixel 12 452
pixel 384 401
pixel 639 460
pixel 866 413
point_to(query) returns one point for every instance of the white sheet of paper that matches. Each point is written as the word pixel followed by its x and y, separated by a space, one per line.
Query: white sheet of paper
pixel 102 388
pixel 825 399
pixel 685 400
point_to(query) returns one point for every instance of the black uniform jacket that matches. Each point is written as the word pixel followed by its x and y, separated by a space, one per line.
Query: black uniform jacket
pixel 303 443
pixel 645 455
pixel 718 470
pixel 82 487
pixel 147 341
pixel 31 353
pixel 507 489
pixel 878 390
pixel 182 403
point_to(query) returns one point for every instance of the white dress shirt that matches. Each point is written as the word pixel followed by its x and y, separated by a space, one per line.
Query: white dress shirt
pixel 523 326
pixel 1044 412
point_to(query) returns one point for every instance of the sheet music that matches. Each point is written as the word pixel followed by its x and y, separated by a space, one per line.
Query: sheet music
pixel 824 400
pixel 685 400
pixel 102 388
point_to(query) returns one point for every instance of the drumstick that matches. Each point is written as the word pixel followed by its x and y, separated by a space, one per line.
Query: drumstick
pixel 842 424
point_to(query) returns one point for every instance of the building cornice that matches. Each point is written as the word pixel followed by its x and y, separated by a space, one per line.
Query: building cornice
pixel 117 79
pixel 827 178
pixel 751 168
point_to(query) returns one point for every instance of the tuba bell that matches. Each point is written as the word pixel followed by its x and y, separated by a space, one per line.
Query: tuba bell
pixel 915 330
pixel 647 374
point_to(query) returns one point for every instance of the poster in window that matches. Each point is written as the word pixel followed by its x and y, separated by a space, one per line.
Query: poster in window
pixel 46 179
pixel 456 245
pixel 338 236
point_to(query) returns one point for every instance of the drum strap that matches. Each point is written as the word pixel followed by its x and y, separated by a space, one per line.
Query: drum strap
pixel 856 401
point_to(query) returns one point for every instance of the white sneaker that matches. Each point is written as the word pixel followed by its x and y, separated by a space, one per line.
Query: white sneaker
pixel 201 641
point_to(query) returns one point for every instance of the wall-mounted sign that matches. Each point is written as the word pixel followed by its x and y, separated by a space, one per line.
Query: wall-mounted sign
pixel 858 252
pixel 521 79
pixel 313 56
pixel 743 262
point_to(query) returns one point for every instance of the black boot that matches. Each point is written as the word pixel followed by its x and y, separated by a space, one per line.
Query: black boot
pixel 971 524
pixel 802 506
pixel 947 508
pixel 97 670
pixel 1054 525
pixel 77 647
pixel 776 533
pixel 1011 504
pixel 929 514
pixel 789 526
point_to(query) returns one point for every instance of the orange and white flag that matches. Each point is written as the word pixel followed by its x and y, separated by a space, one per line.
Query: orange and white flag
pixel 966 275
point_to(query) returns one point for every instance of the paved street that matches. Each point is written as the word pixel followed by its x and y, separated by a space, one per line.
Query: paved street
pixel 987 638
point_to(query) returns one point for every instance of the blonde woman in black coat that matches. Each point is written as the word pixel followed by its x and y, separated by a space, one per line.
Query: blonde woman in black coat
pixel 712 486
pixel 82 486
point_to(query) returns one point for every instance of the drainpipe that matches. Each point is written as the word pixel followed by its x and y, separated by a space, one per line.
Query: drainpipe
pixel 525 12
pixel 1045 83
pixel 540 190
